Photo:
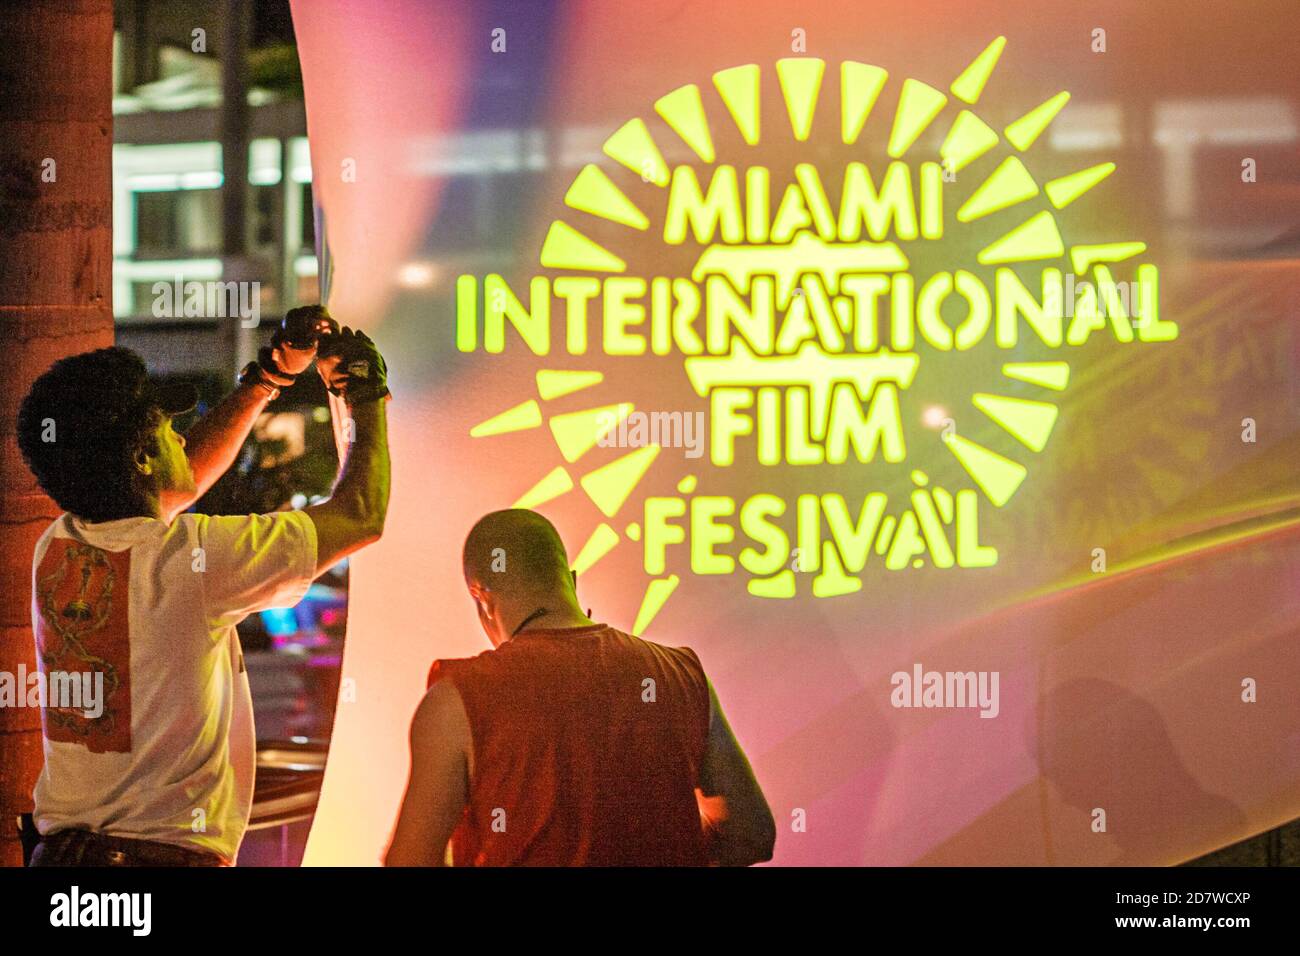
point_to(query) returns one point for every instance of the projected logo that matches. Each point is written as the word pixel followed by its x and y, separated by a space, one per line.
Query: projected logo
pixel 800 321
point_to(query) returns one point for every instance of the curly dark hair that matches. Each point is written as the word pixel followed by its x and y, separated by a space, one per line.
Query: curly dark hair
pixel 80 428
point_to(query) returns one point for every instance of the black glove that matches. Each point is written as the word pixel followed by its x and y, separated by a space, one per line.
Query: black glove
pixel 351 366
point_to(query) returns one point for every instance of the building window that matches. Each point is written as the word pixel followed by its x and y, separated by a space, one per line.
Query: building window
pixel 178 221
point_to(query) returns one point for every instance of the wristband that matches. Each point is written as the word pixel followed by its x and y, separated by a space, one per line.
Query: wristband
pixel 253 372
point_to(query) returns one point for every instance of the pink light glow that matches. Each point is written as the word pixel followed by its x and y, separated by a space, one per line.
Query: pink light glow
pixel 1123 692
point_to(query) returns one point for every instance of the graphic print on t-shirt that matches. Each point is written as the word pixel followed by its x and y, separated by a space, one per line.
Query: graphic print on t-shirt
pixel 82 593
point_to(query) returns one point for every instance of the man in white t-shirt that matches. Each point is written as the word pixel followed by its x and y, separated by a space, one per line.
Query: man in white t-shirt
pixel 135 603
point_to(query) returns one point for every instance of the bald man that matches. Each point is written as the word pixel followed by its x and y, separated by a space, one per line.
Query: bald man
pixel 570 743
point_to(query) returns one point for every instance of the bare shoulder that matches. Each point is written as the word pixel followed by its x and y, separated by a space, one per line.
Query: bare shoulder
pixel 440 711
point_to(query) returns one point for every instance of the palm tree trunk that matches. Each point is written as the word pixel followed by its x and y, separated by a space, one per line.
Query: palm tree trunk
pixel 56 262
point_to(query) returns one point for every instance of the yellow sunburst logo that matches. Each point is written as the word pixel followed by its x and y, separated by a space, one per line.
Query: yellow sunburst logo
pixel 812 316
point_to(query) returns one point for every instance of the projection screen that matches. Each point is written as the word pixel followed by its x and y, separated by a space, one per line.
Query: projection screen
pixel 929 368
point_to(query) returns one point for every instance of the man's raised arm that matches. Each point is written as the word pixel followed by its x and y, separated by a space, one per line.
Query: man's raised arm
pixel 353 517
pixel 213 442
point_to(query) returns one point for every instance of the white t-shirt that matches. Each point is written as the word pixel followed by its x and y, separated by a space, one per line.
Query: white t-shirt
pixel 153 607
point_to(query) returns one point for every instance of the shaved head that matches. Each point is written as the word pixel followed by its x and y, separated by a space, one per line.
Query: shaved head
pixel 516 552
